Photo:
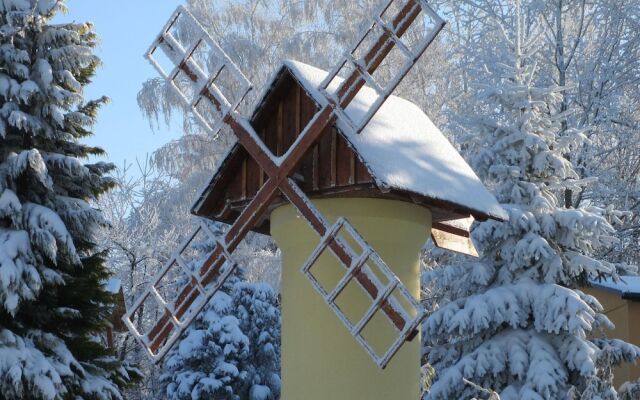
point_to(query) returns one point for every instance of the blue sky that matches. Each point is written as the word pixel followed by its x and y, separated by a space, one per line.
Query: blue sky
pixel 126 29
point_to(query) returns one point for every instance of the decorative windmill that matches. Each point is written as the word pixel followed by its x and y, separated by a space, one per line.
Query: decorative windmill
pixel 314 135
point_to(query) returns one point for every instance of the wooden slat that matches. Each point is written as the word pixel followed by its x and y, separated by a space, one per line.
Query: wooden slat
pixel 235 188
pixel 324 160
pixel 271 133
pixel 315 167
pixel 305 108
pixel 263 175
pixel 333 161
pixel 280 149
pixel 298 110
pixel 289 132
pixel 244 178
pixel 352 167
pixel 362 174
pixel 254 173
pixel 343 162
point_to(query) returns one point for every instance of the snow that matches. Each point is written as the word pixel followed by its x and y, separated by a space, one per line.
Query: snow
pixel 260 392
pixel 28 369
pixel 403 149
pixel 14 5
pixel 522 353
pixel 628 285
pixel 9 203
pixel 555 308
pixel 27 89
pixel 18 275
pixel 44 72
pixel 48 230
pixel 230 349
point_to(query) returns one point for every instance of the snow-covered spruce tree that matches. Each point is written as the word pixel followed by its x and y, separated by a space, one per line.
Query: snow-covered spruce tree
pixel 515 321
pixel 630 390
pixel 52 305
pixel 232 349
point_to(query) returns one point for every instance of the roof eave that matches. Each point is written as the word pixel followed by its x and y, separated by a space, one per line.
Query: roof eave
pixel 635 297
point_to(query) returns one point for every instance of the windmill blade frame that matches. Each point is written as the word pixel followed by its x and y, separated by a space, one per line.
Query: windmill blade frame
pixel 206 100
pixel 379 38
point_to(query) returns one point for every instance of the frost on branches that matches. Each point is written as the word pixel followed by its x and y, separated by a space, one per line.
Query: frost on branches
pixel 515 321
pixel 52 305
pixel 232 349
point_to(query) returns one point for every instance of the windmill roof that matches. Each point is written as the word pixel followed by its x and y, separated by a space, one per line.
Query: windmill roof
pixel 400 146
pixel 404 150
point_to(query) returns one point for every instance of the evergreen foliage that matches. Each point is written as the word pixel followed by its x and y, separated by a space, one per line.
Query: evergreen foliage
pixel 232 349
pixel 52 304
pixel 629 390
pixel 515 321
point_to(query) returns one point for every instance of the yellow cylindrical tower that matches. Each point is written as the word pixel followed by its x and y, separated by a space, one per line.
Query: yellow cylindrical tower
pixel 320 359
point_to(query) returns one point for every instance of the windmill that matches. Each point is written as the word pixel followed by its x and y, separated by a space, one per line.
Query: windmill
pixel 212 86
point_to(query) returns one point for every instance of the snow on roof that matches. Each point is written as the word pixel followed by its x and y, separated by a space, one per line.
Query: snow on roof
pixel 629 285
pixel 112 285
pixel 403 149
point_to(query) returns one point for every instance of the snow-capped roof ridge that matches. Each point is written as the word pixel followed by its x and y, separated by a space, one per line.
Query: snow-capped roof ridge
pixel 628 285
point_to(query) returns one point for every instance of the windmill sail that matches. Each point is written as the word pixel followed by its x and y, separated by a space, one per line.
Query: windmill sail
pixel 212 86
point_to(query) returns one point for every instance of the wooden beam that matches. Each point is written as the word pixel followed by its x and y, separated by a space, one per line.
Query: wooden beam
pixel 334 157
pixel 248 217
pixel 454 235
pixel 448 241
pixel 458 226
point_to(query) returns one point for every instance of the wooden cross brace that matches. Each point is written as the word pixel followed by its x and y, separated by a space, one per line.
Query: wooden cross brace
pixel 278 181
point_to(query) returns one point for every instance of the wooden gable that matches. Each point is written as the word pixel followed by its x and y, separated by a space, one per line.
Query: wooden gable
pixel 330 169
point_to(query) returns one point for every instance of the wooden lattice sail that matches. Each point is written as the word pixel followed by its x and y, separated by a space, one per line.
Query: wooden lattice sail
pixel 276 161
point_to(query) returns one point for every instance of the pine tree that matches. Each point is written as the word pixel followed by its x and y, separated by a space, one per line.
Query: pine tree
pixel 630 390
pixel 232 349
pixel 516 321
pixel 257 309
pixel 52 305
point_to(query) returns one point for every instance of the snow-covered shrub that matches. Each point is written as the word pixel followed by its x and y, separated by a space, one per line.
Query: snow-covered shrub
pixel 232 349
